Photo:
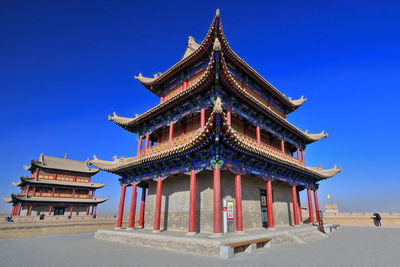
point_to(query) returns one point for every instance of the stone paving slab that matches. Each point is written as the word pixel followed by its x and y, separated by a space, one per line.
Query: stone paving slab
pixel 351 246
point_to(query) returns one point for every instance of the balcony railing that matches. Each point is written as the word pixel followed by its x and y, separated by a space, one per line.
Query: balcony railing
pixel 63 195
pixel 260 98
pixel 269 149
pixel 176 141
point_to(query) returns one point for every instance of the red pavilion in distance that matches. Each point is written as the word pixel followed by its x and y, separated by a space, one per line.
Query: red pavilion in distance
pixel 217 154
pixel 56 186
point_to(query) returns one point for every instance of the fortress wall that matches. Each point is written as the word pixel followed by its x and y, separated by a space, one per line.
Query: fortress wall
pixel 362 219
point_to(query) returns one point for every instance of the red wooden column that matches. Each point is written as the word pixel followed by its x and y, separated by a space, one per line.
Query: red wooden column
pixel 258 135
pixel 19 209
pixel 121 207
pixel 87 210
pixel 282 146
pixel 171 133
pixel 302 156
pixel 157 212
pixel 238 197
pixel 185 84
pixel 30 210
pixel 131 223
pixel 229 117
pixel 94 210
pixel 139 149
pixel 217 200
pixel 295 205
pixel 12 210
pixel 270 209
pixel 316 204
pixel 146 146
pixel 192 207
pixel 298 155
pixel 142 208
pixel 202 117
pixel 70 210
pixel 310 206
pixel 50 208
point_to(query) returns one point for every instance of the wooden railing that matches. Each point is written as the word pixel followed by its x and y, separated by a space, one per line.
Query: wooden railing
pixel 176 141
pixel 259 97
pixel 268 149
pixel 178 88
pixel 66 195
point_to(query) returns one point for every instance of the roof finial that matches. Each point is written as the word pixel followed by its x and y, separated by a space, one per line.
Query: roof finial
pixel 217 13
pixel 94 157
pixel 217 44
pixel 66 155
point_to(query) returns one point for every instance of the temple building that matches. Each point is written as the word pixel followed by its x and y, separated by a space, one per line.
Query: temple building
pixel 217 154
pixel 56 186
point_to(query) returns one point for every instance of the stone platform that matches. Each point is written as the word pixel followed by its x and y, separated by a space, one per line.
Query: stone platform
pixel 208 244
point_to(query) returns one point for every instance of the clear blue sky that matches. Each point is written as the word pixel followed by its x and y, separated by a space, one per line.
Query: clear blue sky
pixel 66 65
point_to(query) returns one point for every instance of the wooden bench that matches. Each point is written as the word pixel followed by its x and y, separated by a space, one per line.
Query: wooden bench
pixel 332 226
pixel 228 250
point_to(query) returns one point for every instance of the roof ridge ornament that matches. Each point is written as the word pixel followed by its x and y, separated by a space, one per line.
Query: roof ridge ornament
pixel 217 45
pixel 94 157
pixel 217 13
pixel 41 158
pixel 114 115
pixel 217 105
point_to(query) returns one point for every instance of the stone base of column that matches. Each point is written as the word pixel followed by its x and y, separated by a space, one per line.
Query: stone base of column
pixel 191 233
pixel 117 228
pixel 239 232
pixel 130 228
pixel 296 225
pixel 271 228
pixel 156 231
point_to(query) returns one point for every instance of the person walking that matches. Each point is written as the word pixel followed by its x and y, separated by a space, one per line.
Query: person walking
pixel 377 219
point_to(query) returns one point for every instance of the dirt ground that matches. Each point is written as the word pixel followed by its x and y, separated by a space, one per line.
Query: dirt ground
pixel 24 233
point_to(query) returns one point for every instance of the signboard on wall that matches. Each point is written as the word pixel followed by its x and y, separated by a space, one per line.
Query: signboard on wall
pixel 230 210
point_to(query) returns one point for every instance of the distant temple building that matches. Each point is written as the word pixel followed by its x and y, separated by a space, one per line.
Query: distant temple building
pixel 56 186
pixel 217 154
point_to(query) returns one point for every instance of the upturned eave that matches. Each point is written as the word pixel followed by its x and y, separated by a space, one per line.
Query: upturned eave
pixel 153 83
pixel 123 163
pixel 16 197
pixel 230 81
pixel 204 80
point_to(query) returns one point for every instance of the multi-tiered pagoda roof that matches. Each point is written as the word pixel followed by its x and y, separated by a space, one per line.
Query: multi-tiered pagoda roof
pixel 56 184
pixel 213 70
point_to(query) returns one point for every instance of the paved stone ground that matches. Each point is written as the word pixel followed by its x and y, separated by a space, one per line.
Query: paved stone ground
pixel 350 246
